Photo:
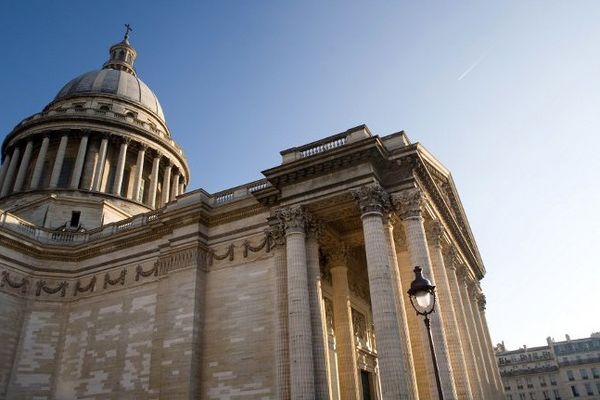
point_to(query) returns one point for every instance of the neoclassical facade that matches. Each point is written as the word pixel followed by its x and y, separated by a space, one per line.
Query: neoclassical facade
pixel 117 283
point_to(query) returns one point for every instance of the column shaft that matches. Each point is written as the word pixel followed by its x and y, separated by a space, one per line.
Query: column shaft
pixel 78 168
pixel 118 183
pixel 97 185
pixel 23 167
pixel 3 169
pixel 175 186
pixel 153 181
pixel 181 188
pixel 139 171
pixel 58 161
pixel 479 353
pixel 444 302
pixel 299 320
pixel 10 173
pixel 39 164
pixel 282 364
pixel 317 316
pixel 412 221
pixel 344 331
pixel 166 184
pixel 490 350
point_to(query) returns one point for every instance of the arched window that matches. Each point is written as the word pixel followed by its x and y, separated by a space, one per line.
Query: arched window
pixel 122 55
pixel 131 114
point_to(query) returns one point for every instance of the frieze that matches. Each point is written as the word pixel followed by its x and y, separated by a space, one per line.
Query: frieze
pixel 90 287
pixel 42 286
pixel 229 254
pixel 23 285
pixel 111 282
pixel 185 258
pixel 264 244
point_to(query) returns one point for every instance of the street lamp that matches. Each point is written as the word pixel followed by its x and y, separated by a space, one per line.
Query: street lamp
pixel 422 298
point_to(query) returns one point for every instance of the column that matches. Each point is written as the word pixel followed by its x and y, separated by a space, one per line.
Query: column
pixel 166 183
pixel 58 161
pixel 23 167
pixel 435 231
pixel 317 312
pixel 120 167
pixel 282 359
pixel 175 186
pixel 154 180
pixel 486 346
pixel 10 173
pixel 3 169
pixel 39 164
pixel 78 168
pixel 342 322
pixel 409 205
pixel 399 294
pixel 466 302
pixel 181 189
pixel 373 202
pixel 97 182
pixel 451 262
pixel 139 171
pixel 490 348
pixel 302 383
pixel 470 294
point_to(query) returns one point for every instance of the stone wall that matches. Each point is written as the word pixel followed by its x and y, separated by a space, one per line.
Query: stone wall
pixel 11 310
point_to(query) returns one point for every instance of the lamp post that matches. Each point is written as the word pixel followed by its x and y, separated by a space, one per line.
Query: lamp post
pixel 422 298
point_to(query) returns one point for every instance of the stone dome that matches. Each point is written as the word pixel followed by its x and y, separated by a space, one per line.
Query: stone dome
pixel 113 82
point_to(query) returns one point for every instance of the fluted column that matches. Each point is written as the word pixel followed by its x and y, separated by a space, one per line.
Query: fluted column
pixel 97 185
pixel 489 348
pixel 139 171
pixel 374 202
pixel 78 168
pixel 399 294
pixel 435 231
pixel 23 167
pixel 118 183
pixel 58 161
pixel 39 164
pixel 282 359
pixel 10 173
pixel 317 312
pixel 175 186
pixel 470 291
pixel 3 170
pixel 154 180
pixel 409 205
pixel 342 322
pixel 166 183
pixel 302 383
pixel 451 262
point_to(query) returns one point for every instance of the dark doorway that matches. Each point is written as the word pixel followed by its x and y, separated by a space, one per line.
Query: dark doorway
pixel 365 379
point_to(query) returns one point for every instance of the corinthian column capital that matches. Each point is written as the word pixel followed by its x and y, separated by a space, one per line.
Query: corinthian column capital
pixel 408 203
pixel 293 219
pixel 435 232
pixel 372 199
pixel 451 260
pixel 481 301
pixel 337 256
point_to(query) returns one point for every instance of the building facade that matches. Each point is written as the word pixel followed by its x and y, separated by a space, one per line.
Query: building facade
pixel 118 283
pixel 568 369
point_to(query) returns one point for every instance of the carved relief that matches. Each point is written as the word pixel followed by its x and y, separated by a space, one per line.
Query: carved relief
pixel 292 218
pixel 23 285
pixel 408 203
pixel 42 286
pixel 120 279
pixel 276 235
pixel 264 244
pixel 229 254
pixel 372 198
pixel 139 272
pixel 187 257
pixel 90 287
pixel 329 314
pixel 435 232
pixel 359 322
pixel 451 259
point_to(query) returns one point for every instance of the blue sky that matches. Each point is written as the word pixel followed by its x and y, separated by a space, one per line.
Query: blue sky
pixel 505 93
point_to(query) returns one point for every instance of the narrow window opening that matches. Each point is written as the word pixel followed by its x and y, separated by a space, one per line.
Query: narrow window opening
pixel 75 217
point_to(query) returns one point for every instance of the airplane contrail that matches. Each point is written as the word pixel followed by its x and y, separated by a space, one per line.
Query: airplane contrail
pixel 475 64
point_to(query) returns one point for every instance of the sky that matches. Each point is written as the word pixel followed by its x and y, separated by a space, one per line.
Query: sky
pixel 505 93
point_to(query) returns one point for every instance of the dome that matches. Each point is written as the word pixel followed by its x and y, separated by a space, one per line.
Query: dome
pixel 115 82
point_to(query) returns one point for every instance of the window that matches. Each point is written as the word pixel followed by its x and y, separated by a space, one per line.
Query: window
pixel 556 394
pixel 531 395
pixel 506 388
pixel 522 396
pixel 570 375
pixel 509 397
pixel 595 372
pixel 546 395
pixel 574 391
pixel 131 114
pixel 105 107
pixel 529 384
pixel 553 380
pixel 75 217
pixel 583 373
pixel 519 384
pixel 588 389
